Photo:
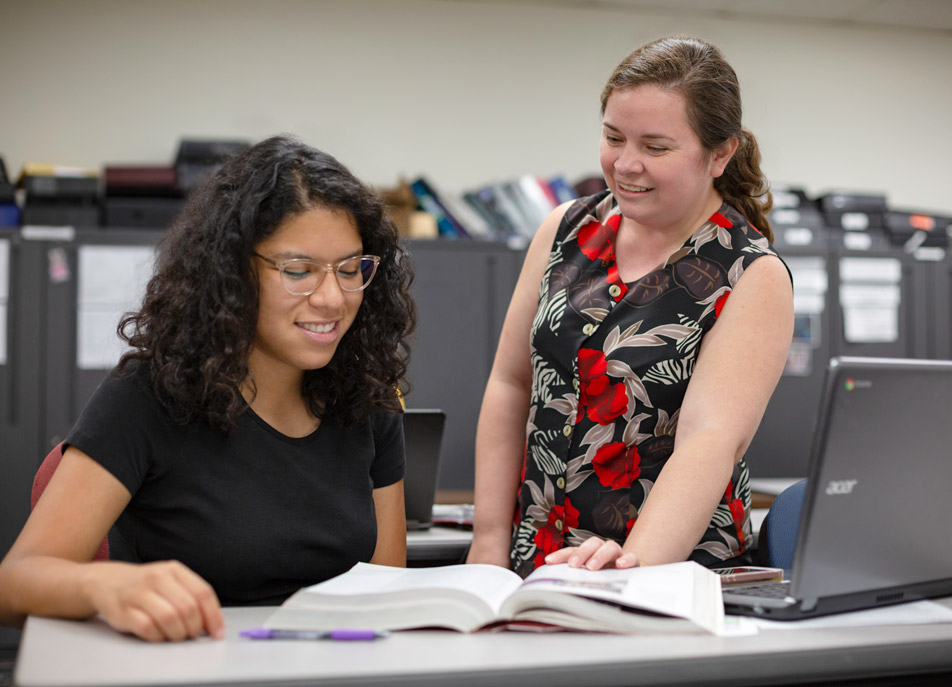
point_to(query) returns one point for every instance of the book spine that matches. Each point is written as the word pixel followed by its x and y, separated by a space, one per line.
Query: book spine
pixel 430 204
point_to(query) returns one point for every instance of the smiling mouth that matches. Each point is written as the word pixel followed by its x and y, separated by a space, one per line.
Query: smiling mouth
pixel 318 328
pixel 632 189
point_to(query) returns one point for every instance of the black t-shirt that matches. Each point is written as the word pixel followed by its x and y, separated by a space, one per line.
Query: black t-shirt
pixel 257 514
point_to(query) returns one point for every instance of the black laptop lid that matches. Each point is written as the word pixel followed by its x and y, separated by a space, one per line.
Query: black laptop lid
pixel 874 515
pixel 423 437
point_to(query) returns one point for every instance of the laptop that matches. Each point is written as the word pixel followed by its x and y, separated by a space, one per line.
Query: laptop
pixel 874 528
pixel 423 438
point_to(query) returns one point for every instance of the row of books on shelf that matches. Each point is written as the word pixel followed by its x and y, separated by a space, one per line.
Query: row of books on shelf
pixel 515 209
pixel 500 211
pixel 152 195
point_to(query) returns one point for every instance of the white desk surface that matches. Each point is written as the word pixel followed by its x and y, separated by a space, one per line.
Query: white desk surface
pixel 82 653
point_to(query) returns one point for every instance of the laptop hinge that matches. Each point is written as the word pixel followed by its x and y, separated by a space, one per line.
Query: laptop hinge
pixel 808 605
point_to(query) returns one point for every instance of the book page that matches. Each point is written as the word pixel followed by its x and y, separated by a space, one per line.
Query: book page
pixel 683 590
pixel 490 583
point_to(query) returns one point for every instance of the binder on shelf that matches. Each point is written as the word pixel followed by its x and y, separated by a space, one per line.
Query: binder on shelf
pixel 197 159
pixel 6 187
pixel 789 197
pixel 448 226
pixel 796 220
pixel 59 195
pixel 854 211
pixel 141 196
pixel 563 190
pixel 508 203
pixel 9 210
pixel 482 201
pixel 149 181
pixel 589 186
pixel 917 229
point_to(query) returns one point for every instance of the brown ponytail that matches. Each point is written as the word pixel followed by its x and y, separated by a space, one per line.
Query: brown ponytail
pixel 700 73
pixel 745 187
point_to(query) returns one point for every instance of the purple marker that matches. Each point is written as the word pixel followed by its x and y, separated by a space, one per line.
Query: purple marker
pixel 336 635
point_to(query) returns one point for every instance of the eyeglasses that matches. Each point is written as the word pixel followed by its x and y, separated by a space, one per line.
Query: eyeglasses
pixel 302 277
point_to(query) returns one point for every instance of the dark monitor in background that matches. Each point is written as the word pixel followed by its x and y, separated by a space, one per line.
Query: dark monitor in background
pixel 423 437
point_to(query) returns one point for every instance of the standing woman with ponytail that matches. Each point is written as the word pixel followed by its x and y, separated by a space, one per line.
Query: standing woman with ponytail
pixel 648 329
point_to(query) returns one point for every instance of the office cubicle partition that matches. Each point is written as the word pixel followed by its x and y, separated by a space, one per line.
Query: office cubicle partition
pixel 462 291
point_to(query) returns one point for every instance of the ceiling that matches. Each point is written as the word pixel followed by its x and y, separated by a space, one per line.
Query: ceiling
pixel 934 15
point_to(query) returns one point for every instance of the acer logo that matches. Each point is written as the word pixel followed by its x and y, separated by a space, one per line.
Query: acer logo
pixel 840 486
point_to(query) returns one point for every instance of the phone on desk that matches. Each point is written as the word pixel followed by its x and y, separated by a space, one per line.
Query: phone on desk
pixel 748 573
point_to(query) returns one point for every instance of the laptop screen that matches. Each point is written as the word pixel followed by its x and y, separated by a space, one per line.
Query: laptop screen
pixel 880 473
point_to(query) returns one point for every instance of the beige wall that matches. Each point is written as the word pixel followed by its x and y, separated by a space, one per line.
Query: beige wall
pixel 464 92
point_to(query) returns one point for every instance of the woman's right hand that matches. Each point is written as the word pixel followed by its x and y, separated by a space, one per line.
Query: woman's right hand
pixel 164 601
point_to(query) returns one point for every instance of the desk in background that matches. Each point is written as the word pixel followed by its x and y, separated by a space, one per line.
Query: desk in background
pixel 437 546
pixel 73 653
pixel 448 545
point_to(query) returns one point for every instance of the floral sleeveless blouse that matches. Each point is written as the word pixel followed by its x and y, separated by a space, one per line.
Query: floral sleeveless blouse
pixel 610 366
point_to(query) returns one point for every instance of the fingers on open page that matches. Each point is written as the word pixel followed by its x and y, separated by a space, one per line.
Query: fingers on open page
pixel 594 554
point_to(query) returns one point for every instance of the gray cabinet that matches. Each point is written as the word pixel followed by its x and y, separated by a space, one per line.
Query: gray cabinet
pixel 20 386
pixel 462 291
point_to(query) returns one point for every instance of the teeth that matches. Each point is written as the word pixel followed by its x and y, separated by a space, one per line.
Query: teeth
pixel 633 189
pixel 318 328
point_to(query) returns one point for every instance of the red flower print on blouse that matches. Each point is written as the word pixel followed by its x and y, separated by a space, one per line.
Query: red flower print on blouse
pixel 737 513
pixel 614 279
pixel 549 537
pixel 596 241
pixel 616 465
pixel 721 221
pixel 719 305
pixel 601 400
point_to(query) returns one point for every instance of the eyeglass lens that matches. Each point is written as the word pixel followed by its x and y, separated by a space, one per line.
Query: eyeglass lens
pixel 303 278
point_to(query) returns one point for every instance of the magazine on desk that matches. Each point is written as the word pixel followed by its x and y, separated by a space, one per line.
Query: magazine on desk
pixel 678 597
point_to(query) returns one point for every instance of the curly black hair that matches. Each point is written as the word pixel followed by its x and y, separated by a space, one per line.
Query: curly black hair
pixel 197 322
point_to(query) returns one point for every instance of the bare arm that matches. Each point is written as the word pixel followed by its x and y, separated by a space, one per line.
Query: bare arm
pixel 48 571
pixel 501 432
pixel 738 366
pixel 391 526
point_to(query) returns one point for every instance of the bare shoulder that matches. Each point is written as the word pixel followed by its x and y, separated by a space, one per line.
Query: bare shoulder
pixel 537 256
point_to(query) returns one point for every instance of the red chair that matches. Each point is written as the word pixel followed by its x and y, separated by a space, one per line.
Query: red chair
pixel 42 478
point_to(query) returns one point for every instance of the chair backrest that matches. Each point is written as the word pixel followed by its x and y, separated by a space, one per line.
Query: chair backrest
pixel 42 478
pixel 777 540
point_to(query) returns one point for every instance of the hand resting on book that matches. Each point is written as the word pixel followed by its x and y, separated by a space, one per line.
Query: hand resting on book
pixel 594 553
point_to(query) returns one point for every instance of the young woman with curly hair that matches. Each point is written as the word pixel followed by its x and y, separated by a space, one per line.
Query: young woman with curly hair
pixel 250 441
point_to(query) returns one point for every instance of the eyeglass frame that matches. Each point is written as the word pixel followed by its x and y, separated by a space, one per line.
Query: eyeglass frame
pixel 326 267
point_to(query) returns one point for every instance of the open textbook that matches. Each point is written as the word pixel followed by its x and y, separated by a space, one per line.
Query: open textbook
pixel 678 597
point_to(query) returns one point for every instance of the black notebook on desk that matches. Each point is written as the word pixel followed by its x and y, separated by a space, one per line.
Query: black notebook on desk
pixel 423 438
pixel 874 527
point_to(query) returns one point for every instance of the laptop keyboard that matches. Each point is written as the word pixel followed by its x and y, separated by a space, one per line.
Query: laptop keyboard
pixel 766 590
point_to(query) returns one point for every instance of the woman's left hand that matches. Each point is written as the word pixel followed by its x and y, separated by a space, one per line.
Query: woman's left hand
pixel 594 554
